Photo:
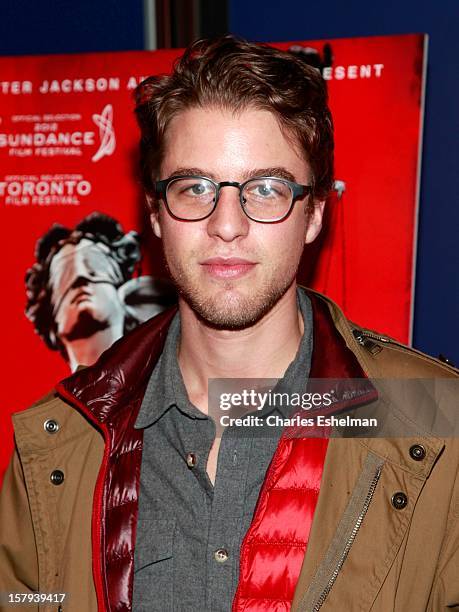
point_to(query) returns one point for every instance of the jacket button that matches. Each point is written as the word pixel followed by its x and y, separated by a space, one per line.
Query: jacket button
pixel 51 426
pixel 191 460
pixel 221 555
pixel 57 477
pixel 399 500
pixel 417 452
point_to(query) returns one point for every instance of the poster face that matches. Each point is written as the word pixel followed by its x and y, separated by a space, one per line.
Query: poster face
pixel 68 148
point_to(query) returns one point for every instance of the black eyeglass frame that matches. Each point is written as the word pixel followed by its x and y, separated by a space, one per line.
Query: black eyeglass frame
pixel 296 189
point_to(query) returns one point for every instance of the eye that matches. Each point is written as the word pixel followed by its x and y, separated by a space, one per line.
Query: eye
pixel 197 189
pixel 263 190
pixel 190 191
pixel 266 189
pixel 194 188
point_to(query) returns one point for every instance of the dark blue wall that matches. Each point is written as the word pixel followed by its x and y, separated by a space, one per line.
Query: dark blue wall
pixel 66 26
pixel 437 295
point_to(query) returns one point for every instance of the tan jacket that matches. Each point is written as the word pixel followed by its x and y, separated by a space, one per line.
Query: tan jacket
pixel 369 549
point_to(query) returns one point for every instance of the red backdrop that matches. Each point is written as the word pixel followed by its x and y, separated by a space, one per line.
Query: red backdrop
pixel 68 146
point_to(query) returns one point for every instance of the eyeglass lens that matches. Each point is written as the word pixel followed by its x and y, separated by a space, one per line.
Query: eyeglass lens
pixel 263 199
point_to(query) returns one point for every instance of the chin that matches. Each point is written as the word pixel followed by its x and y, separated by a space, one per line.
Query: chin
pixel 231 309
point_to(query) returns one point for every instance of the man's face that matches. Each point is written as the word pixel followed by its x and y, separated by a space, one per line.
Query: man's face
pixel 229 269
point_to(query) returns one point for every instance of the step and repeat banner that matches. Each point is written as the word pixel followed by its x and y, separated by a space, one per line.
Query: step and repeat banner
pixel 80 266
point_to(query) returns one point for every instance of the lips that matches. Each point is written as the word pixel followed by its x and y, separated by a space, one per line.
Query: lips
pixel 227 267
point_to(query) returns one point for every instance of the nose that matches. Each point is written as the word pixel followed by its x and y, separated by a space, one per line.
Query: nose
pixel 228 220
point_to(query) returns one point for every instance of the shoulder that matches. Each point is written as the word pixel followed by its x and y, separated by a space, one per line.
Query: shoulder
pixel 390 358
pixel 49 423
pixel 382 356
pixel 417 390
pixel 421 390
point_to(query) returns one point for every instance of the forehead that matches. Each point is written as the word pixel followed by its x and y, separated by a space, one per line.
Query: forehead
pixel 229 144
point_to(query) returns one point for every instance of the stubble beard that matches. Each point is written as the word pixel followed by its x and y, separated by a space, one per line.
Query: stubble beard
pixel 225 307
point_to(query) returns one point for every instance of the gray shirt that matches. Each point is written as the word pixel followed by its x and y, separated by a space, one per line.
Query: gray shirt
pixel 189 532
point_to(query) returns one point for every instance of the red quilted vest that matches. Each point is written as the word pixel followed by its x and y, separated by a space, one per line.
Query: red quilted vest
pixel 273 549
pixel 109 394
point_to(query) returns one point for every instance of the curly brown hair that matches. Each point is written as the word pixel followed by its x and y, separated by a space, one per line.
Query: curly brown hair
pixel 233 74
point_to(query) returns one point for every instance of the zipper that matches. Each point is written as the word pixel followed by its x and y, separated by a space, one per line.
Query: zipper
pixel 350 541
pixel 364 338
pixel 360 335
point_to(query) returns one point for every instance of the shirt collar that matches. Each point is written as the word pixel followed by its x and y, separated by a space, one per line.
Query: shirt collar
pixel 166 389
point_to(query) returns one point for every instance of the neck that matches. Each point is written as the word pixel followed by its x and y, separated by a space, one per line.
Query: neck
pixel 263 350
pixel 86 351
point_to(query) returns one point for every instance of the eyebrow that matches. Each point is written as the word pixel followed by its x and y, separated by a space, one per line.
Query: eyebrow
pixel 275 171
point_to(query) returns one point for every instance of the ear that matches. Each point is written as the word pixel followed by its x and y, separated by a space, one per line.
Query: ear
pixel 154 215
pixel 314 221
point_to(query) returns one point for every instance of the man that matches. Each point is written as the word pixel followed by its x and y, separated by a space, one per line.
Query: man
pixel 81 292
pixel 119 470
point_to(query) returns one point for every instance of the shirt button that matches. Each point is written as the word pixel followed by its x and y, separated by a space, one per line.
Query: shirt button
pixel 221 555
pixel 51 426
pixel 191 460
pixel 57 477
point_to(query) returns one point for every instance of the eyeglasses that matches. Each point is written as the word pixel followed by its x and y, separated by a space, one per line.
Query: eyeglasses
pixel 265 199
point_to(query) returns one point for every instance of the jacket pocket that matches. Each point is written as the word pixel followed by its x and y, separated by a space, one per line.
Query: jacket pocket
pixel 155 539
pixel 154 566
